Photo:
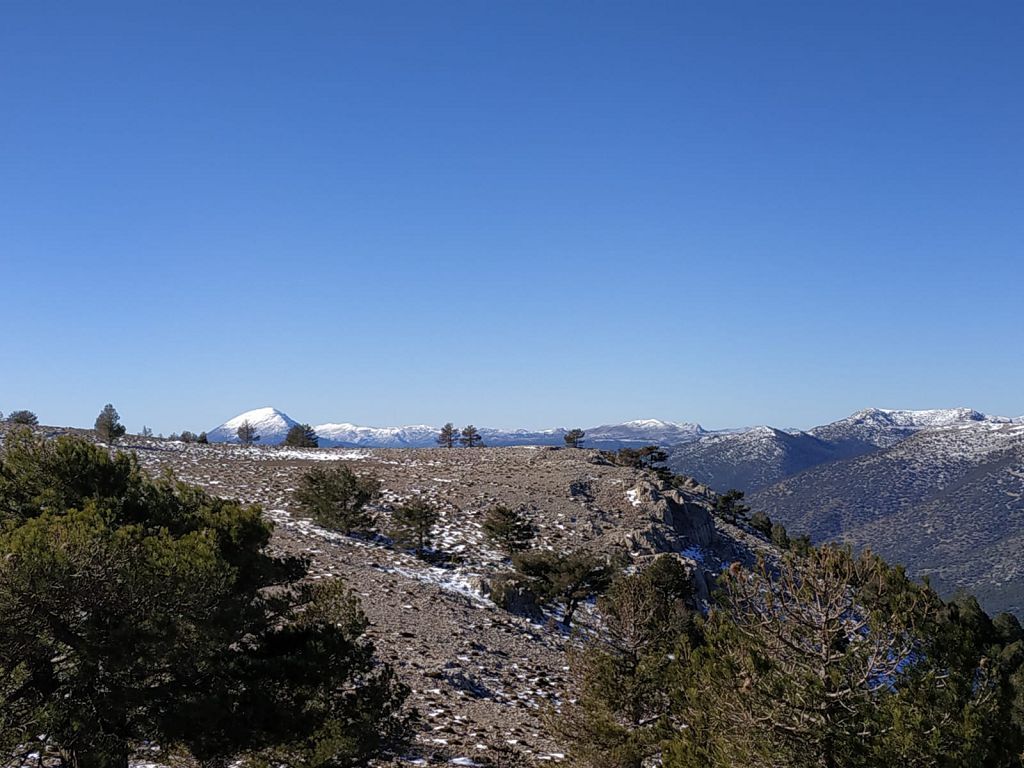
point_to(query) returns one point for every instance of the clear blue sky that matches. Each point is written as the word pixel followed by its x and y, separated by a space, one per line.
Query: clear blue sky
pixel 510 213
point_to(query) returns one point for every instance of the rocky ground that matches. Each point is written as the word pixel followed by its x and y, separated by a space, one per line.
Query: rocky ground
pixel 482 679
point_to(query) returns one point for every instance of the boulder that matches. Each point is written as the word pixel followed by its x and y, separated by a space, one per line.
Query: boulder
pixel 686 518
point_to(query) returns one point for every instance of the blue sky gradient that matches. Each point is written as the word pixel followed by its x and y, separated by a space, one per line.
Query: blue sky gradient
pixel 513 214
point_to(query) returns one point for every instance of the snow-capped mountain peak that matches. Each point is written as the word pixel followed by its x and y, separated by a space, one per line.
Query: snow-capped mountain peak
pixel 271 425
pixel 936 417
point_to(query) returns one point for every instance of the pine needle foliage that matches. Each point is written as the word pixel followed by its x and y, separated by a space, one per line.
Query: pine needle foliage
pixel 108 425
pixel 508 529
pixel 147 611
pixel 448 436
pixel 302 436
pixel 413 522
pixel 565 579
pixel 470 437
pixel 246 433
pixel 337 498
pixel 832 660
pixel 619 708
pixel 23 417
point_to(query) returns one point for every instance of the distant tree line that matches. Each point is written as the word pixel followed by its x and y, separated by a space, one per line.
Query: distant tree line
pixel 468 436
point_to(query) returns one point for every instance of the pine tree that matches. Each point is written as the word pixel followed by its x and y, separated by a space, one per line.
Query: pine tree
pixel 203 439
pixel 779 536
pixel 25 418
pixel 730 507
pixel 336 497
pixel 470 437
pixel 619 708
pixel 574 437
pixel 108 425
pixel 761 523
pixel 412 523
pixel 508 529
pixel 837 661
pixel 246 433
pixel 447 436
pixel 302 436
pixel 140 611
pixel 563 578
pixel 146 432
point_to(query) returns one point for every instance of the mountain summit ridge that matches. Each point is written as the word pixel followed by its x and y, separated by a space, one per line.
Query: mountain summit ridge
pixel 868 427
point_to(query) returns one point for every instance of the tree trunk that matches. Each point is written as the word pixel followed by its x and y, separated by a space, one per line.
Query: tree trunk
pixel 570 610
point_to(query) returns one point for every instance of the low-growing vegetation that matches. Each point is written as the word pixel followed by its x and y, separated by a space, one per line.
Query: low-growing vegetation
pixel 136 613
pixel 337 498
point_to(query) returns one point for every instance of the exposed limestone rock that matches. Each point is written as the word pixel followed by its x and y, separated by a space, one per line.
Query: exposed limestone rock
pixel 668 520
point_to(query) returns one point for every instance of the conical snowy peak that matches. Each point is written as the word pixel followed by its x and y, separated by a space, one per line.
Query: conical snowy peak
pixel 271 425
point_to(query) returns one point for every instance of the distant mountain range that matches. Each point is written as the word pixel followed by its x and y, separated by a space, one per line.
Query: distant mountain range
pixel 722 458
pixel 272 426
pixel 753 459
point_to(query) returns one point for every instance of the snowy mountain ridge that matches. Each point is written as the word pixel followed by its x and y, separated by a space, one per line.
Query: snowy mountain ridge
pixel 867 427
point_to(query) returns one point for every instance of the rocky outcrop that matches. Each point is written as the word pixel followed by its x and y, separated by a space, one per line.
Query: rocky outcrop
pixel 668 519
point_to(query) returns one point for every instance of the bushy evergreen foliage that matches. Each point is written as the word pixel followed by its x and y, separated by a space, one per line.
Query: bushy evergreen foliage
pixel 779 536
pixel 412 524
pixel 246 433
pixel 839 660
pixel 619 708
pixel 137 611
pixel 574 437
pixel 730 507
pixel 650 458
pixel 470 437
pixel 647 457
pixel 447 436
pixel 302 436
pixel 825 659
pixel 108 425
pixel 202 439
pixel 336 497
pixel 563 578
pixel 509 529
pixel 25 418
pixel 761 523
